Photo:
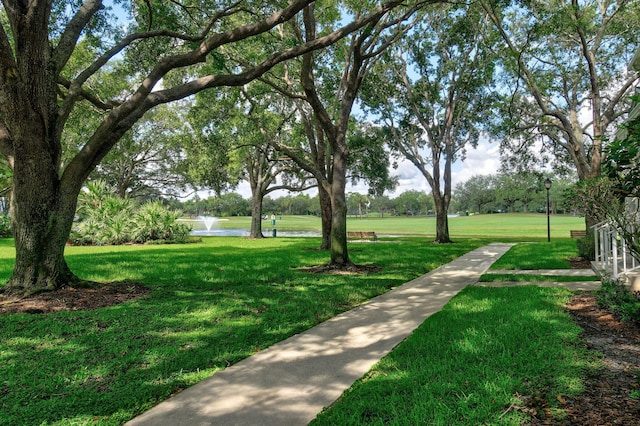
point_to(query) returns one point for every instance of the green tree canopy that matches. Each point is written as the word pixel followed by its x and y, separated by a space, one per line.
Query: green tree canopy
pixel 564 78
pixel 431 91
pixel 57 58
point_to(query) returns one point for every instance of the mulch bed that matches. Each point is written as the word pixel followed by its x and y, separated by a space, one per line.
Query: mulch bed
pixel 74 299
pixel 607 399
pixel 579 263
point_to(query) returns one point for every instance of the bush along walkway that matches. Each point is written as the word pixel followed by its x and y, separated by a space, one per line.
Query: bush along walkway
pixel 292 381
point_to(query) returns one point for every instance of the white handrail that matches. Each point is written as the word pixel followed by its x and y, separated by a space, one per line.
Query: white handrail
pixel 612 252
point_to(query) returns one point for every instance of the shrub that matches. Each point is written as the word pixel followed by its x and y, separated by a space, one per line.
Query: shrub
pixel 587 247
pixel 614 296
pixel 105 218
pixel 148 223
pixel 153 221
pixel 5 226
pixel 104 221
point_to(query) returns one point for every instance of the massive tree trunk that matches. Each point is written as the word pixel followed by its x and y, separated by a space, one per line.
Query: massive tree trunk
pixel 326 217
pixel 339 252
pixel 42 214
pixel 42 208
pixel 256 215
pixel 40 237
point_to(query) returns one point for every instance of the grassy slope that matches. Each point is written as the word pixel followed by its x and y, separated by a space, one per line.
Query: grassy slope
pixel 212 304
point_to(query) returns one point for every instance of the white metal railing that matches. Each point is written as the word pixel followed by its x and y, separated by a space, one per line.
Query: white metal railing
pixel 612 252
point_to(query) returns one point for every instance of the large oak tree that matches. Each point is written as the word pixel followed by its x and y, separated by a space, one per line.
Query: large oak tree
pixel 327 113
pixel 39 90
pixel 431 92
pixel 565 75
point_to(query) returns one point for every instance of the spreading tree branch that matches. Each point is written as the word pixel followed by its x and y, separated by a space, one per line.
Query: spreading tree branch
pixel 124 116
pixel 67 43
pixel 527 75
pixel 610 113
pixel 84 94
pixel 75 88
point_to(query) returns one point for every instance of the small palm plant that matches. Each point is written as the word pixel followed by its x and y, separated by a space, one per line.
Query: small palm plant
pixel 154 221
pixel 148 225
pixel 105 218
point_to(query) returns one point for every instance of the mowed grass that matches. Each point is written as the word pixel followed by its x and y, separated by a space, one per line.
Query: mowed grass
pixel 533 256
pixel 530 225
pixel 211 305
pixel 490 357
pixel 476 362
pixel 218 302
pixel 522 225
pixel 541 255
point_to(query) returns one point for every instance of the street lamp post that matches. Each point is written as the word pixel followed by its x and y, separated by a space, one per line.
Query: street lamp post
pixel 547 185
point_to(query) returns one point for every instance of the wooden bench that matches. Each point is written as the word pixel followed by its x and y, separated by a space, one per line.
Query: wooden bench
pixel 578 233
pixel 361 235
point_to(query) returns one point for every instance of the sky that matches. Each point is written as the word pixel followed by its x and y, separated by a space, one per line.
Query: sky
pixel 483 160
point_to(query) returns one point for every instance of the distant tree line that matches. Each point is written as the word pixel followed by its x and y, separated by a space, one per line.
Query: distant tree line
pixel 409 203
pixel 497 193
pixel 511 192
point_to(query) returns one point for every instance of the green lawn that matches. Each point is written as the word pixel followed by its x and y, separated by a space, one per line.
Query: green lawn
pixel 217 302
pixel 539 256
pixel 476 362
pixel 212 304
pixel 485 358
pixel 493 225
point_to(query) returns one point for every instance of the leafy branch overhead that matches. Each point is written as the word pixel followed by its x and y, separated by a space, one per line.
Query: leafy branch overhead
pixel 58 58
pixel 622 164
pixel 565 82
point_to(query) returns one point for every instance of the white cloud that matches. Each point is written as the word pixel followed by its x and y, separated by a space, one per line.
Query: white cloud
pixel 409 178
pixel 483 160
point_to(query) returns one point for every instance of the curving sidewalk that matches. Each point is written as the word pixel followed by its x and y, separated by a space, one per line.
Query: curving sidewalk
pixel 290 382
pixel 571 285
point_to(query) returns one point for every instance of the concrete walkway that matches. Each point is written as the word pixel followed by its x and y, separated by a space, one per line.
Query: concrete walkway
pixel 571 285
pixel 290 382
